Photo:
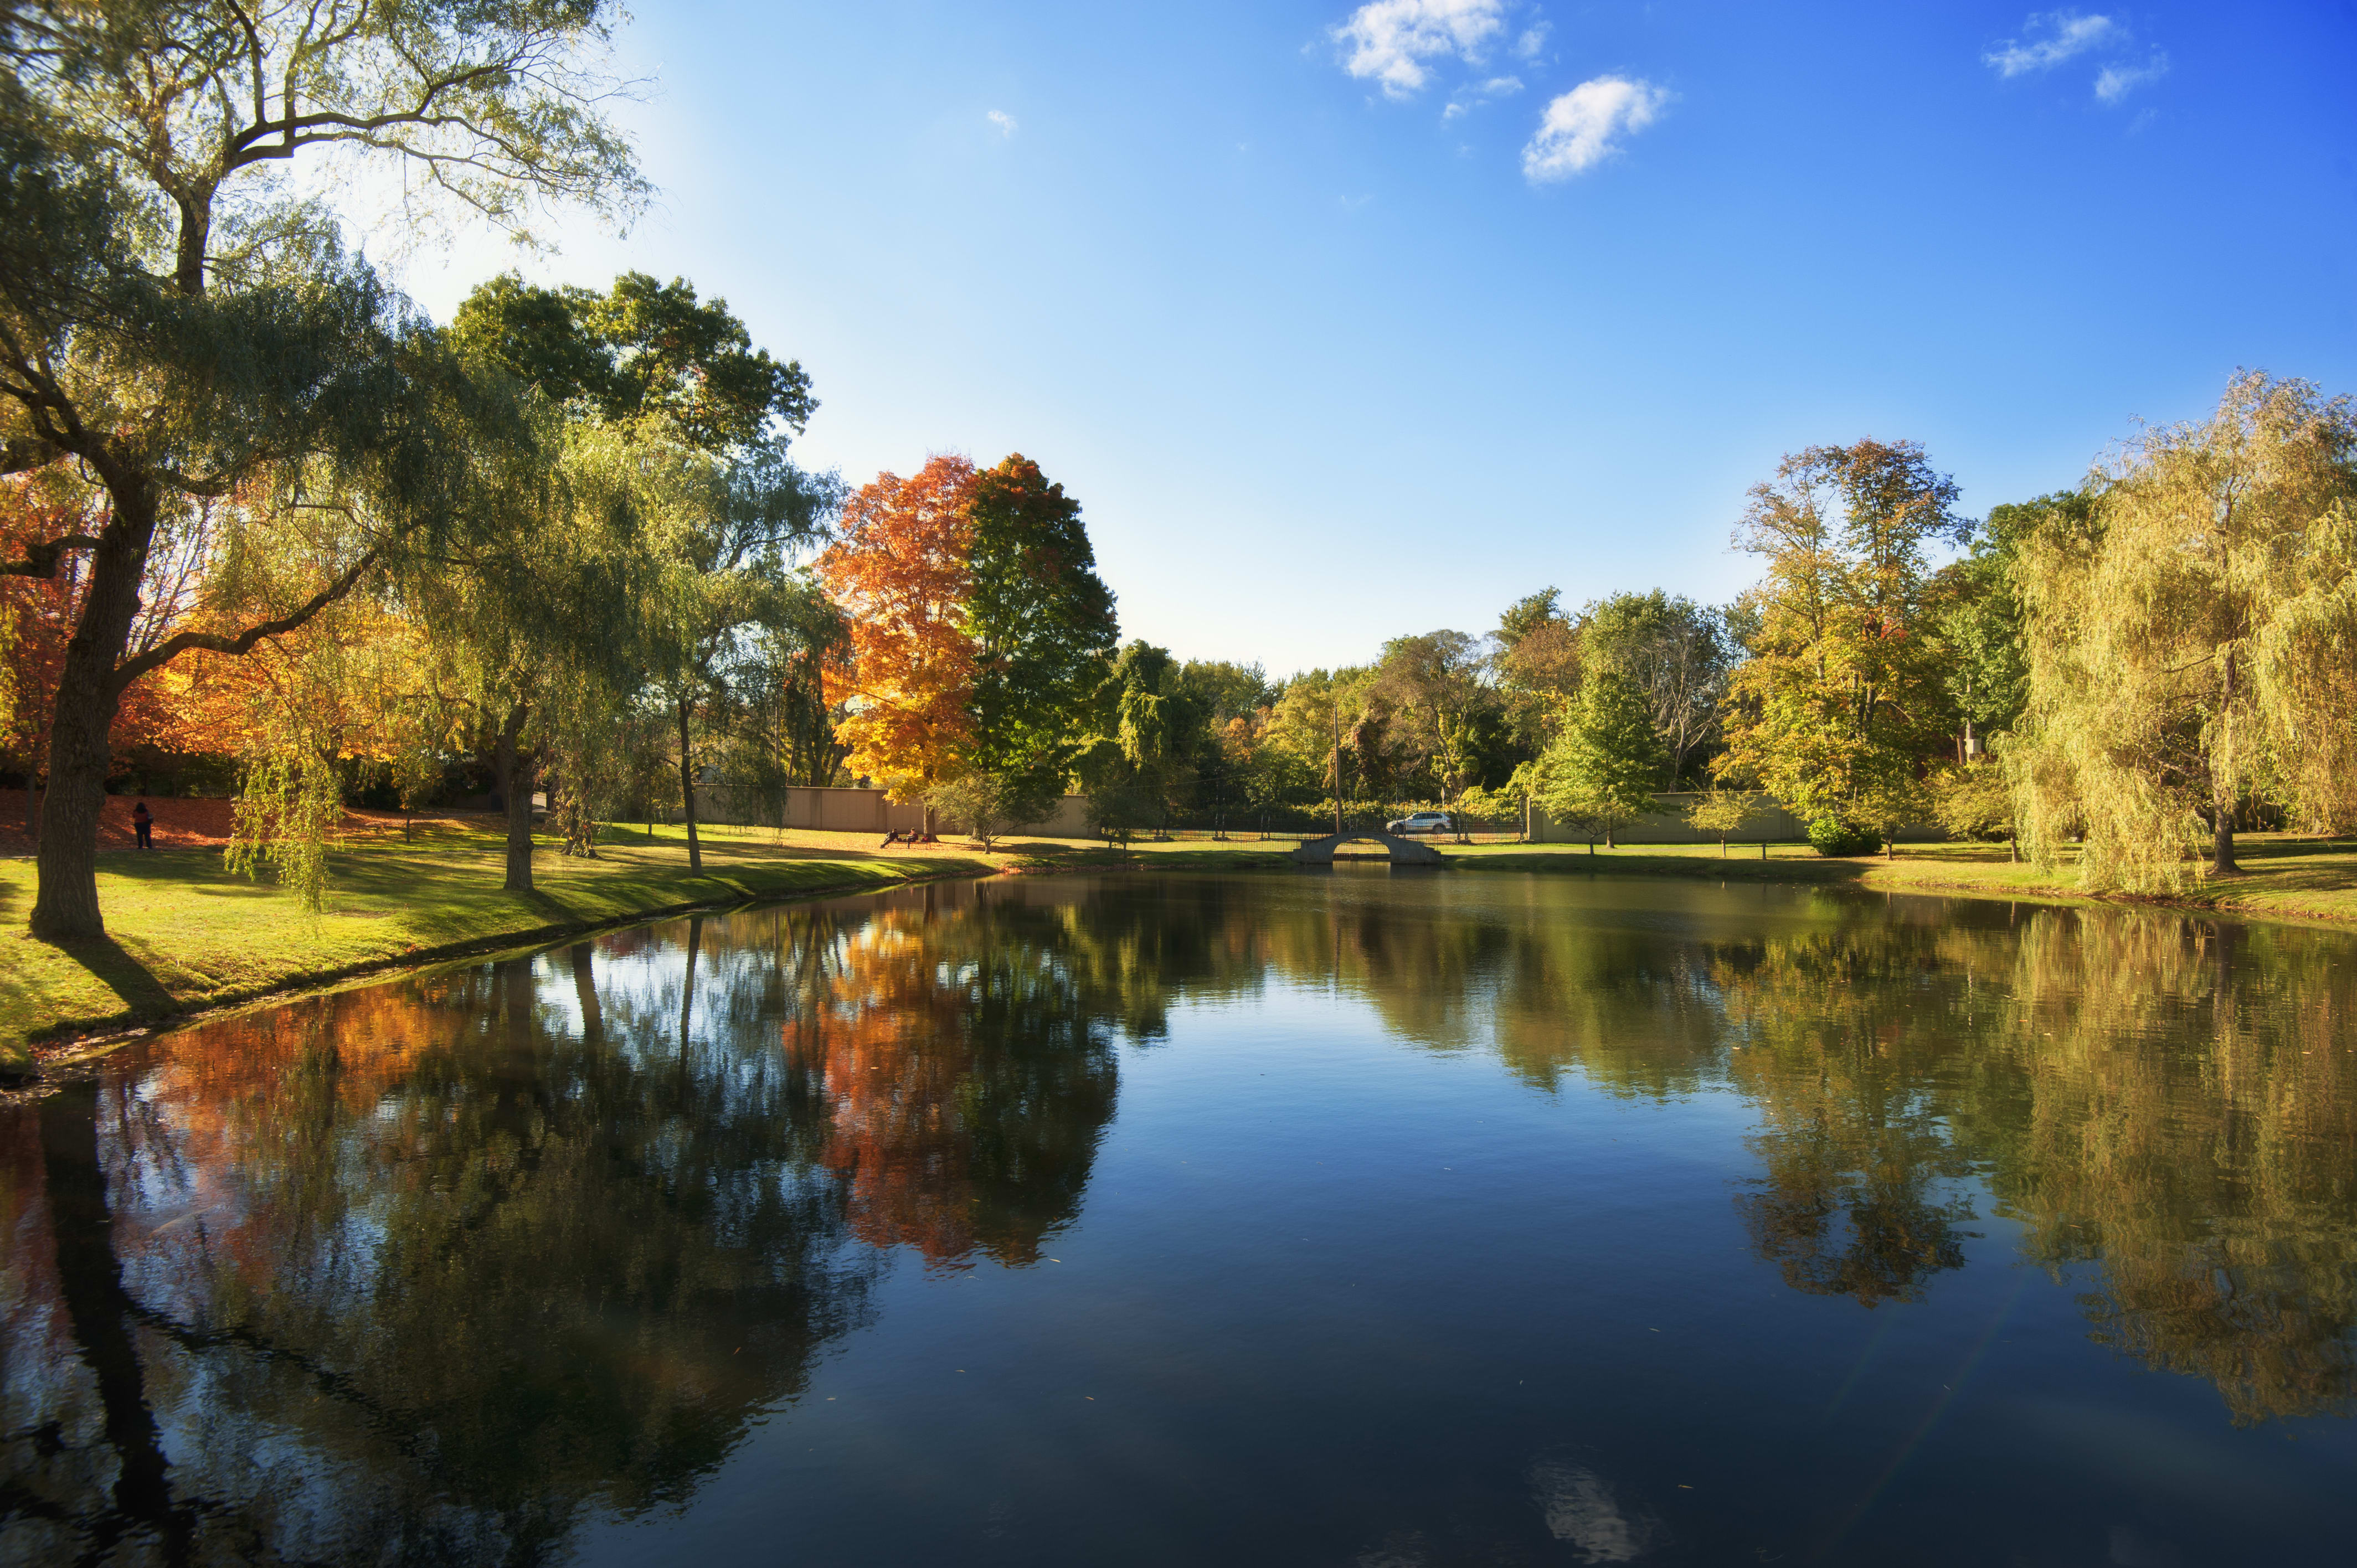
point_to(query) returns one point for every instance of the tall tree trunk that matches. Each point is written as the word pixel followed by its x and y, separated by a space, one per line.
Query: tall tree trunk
pixel 196 229
pixel 98 1309
pixel 2222 837
pixel 66 906
pixel 515 789
pixel 2221 791
pixel 687 789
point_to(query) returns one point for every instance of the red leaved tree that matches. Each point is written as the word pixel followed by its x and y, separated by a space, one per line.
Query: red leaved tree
pixel 901 571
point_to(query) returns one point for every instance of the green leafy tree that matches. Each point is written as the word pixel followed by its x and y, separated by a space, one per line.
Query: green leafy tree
pixel 1975 800
pixel 729 592
pixel 982 801
pixel 1229 691
pixel 1538 669
pixel 1160 731
pixel 1437 686
pixel 643 352
pixel 1722 813
pixel 1120 807
pixel 1842 701
pixel 1602 772
pixel 697 422
pixel 1677 654
pixel 1043 626
pixel 1976 615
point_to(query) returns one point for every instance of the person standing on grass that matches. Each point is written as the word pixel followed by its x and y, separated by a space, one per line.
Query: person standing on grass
pixel 143 822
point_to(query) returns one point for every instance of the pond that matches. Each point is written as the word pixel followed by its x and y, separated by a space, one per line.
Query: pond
pixel 1363 1218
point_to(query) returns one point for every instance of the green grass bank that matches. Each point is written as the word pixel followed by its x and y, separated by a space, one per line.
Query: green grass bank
pixel 184 935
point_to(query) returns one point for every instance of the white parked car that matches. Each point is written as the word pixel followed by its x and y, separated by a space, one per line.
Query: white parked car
pixel 1419 823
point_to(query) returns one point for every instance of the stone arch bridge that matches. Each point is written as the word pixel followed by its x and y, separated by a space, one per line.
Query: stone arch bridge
pixel 1403 850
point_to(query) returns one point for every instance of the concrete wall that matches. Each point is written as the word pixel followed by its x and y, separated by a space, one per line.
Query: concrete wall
pixel 1667 824
pixel 862 812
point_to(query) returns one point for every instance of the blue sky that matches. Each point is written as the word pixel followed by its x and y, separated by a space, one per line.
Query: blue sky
pixel 1345 322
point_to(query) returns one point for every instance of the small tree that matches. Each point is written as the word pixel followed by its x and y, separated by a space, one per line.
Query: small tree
pixel 1976 801
pixel 1476 803
pixel 1602 772
pixel 979 800
pixel 1118 808
pixel 1722 814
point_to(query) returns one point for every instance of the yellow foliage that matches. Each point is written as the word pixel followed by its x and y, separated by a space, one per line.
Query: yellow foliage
pixel 2199 647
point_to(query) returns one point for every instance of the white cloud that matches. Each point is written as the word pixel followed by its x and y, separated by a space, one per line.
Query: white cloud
pixel 1390 40
pixel 2117 81
pixel 1533 40
pixel 1577 130
pixel 1005 121
pixel 2067 34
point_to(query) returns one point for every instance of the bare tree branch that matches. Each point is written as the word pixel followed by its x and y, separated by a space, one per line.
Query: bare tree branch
pixel 172 646
pixel 41 560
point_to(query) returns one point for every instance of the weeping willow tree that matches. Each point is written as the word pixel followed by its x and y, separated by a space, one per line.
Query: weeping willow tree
pixel 340 693
pixel 2194 649
pixel 179 318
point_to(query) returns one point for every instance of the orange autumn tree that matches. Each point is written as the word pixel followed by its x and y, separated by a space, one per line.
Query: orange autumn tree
pixel 901 571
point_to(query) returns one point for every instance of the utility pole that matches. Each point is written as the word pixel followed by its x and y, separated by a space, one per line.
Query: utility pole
pixel 1338 761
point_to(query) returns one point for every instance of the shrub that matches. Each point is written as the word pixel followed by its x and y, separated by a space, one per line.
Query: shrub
pixel 1833 836
pixel 975 802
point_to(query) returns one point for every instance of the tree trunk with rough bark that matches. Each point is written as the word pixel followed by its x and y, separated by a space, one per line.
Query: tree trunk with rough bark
pixel 196 229
pixel 83 722
pixel 2222 789
pixel 2222 839
pixel 687 790
pixel 515 790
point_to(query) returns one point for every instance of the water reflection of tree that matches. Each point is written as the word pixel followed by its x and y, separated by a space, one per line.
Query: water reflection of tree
pixel 2170 1110
pixel 2186 1126
pixel 1830 1038
pixel 964 1044
pixel 408 1272
pixel 426 1271
pixel 423 1271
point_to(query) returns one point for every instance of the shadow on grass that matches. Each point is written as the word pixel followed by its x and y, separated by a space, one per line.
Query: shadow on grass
pixel 113 967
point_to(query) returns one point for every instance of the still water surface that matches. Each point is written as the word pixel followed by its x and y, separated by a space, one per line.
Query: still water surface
pixel 1350 1218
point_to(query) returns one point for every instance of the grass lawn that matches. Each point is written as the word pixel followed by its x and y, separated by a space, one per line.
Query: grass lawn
pixel 183 934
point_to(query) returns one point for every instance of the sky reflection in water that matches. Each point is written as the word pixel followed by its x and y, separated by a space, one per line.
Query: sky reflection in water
pixel 1350 1218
